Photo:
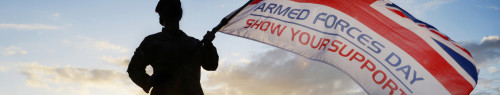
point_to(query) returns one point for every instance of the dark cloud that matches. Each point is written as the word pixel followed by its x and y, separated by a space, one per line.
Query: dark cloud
pixel 487 56
pixel 485 52
pixel 278 72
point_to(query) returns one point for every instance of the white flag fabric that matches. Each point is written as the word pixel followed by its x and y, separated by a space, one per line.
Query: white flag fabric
pixel 378 44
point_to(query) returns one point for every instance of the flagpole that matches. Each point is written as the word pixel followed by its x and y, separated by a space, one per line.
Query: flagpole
pixel 226 19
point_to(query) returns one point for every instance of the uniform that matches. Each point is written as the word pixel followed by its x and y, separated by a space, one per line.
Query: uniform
pixel 176 59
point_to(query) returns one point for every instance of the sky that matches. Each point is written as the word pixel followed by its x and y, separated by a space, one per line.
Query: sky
pixel 75 47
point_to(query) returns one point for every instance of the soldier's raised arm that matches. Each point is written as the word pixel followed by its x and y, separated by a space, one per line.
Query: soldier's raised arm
pixel 210 58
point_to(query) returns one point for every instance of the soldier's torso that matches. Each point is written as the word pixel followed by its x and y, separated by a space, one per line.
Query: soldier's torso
pixel 175 60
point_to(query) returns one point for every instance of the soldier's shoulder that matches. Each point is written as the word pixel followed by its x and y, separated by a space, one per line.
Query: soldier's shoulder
pixel 192 39
pixel 152 37
pixel 155 35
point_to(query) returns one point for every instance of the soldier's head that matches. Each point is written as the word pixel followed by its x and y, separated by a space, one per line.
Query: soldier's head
pixel 170 12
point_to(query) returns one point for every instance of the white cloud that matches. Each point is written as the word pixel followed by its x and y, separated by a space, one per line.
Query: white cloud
pixel 29 26
pixel 492 69
pixel 278 72
pixel 246 61
pixel 90 43
pixel 68 74
pixel 103 45
pixel 6 66
pixel 489 39
pixel 122 61
pixel 493 7
pixel 222 60
pixel 14 50
pixel 235 54
pixel 2 69
pixel 78 81
pixel 222 5
pixel 56 15
pixel 487 86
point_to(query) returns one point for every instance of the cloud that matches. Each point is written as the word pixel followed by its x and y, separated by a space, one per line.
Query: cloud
pixel 493 7
pixel 222 6
pixel 122 61
pixel 2 69
pixel 56 15
pixel 103 45
pixel 14 50
pixel 278 72
pixel 246 61
pixel 78 81
pixel 485 52
pixel 487 87
pixel 90 43
pixel 492 69
pixel 29 26
pixel 235 54
pixel 490 39
pixel 40 73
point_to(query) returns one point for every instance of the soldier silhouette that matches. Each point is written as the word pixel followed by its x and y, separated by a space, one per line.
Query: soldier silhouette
pixel 175 57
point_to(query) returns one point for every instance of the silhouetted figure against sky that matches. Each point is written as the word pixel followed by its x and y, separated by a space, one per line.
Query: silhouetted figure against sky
pixel 175 57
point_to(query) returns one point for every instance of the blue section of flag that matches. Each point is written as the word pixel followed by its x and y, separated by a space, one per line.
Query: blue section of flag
pixel 461 60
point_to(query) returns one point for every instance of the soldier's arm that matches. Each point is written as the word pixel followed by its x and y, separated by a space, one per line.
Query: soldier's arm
pixel 210 58
pixel 137 68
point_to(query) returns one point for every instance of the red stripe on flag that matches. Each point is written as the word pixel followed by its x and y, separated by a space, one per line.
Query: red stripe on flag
pixel 437 33
pixel 448 39
pixel 255 2
pixel 421 51
pixel 463 49
pixel 398 12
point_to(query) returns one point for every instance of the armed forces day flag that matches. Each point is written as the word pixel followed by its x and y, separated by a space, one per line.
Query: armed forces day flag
pixel 379 45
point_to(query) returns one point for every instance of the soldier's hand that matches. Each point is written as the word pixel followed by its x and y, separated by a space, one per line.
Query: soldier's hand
pixel 209 37
pixel 146 89
pixel 147 86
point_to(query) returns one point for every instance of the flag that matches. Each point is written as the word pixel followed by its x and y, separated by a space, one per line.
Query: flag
pixel 379 45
